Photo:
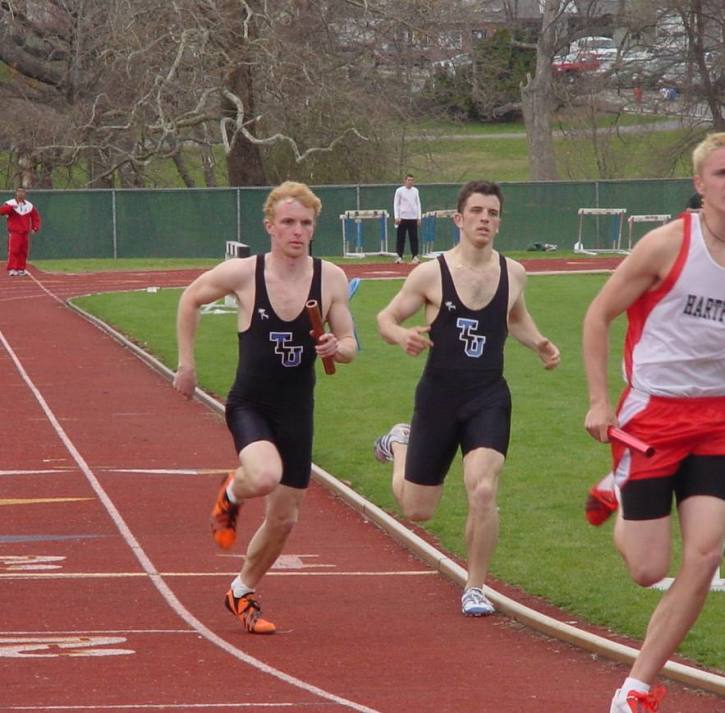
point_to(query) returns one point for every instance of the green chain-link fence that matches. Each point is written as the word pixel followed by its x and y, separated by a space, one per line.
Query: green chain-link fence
pixel 197 222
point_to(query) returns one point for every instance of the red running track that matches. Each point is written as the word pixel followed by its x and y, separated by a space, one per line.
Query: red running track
pixel 111 588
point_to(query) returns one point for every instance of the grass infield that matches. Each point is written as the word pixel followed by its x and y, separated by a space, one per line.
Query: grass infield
pixel 545 547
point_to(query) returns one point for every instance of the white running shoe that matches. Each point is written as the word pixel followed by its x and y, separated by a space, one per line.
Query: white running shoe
pixel 12 273
pixel 398 260
pixel 415 260
pixel 383 446
pixel 475 603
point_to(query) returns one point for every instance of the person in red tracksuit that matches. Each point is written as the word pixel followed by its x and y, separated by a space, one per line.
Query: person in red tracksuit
pixel 23 217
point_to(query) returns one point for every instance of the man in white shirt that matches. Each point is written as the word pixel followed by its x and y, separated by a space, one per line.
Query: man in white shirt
pixel 407 213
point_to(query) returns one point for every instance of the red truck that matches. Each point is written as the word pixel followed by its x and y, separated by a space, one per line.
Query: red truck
pixel 576 64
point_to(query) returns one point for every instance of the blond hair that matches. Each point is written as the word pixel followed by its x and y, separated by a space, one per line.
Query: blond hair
pixel 292 191
pixel 712 142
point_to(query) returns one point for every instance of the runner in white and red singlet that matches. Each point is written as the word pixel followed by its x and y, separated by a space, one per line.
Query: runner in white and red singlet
pixel 672 287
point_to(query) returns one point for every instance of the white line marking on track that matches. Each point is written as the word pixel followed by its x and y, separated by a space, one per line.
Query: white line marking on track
pixel 50 646
pixel 146 562
pixel 167 471
pixel 36 472
pixel 297 561
pixel 160 706
pixel 93 632
pixel 123 575
pixel 25 563
pixel 40 501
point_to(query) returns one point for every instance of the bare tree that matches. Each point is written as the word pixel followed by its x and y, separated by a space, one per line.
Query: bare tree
pixel 699 72
pixel 285 87
pixel 670 63
pixel 116 84
pixel 537 95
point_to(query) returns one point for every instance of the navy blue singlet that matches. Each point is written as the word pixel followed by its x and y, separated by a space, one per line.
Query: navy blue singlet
pixel 272 398
pixel 276 357
pixel 470 340
pixel 462 398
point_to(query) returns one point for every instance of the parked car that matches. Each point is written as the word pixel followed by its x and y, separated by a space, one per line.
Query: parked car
pixel 593 54
pixel 570 65
pixel 603 48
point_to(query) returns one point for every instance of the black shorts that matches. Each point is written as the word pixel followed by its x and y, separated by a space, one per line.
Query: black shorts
pixel 447 416
pixel 651 498
pixel 289 428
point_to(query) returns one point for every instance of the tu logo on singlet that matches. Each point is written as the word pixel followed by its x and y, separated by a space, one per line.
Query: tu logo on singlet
pixel 291 354
pixel 473 342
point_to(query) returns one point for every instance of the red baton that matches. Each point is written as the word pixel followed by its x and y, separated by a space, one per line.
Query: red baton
pixel 313 312
pixel 617 434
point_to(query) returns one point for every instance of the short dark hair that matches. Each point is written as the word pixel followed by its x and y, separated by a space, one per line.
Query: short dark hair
pixel 409 175
pixel 486 188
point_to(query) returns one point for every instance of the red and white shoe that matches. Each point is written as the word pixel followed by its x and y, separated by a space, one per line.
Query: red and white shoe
pixel 638 702
pixel 601 501
pixel 600 505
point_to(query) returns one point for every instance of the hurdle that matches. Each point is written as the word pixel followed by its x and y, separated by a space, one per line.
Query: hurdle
pixel 429 223
pixel 717 584
pixel 232 249
pixel 634 219
pixel 352 225
pixel 615 231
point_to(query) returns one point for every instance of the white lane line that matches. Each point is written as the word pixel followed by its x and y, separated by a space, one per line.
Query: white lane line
pixel 159 706
pixel 75 632
pixel 113 469
pixel 125 575
pixel 36 472
pixel 168 471
pixel 20 298
pixel 39 501
pixel 148 565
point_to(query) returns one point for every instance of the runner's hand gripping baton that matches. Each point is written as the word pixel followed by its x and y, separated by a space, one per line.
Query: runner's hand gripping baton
pixel 617 434
pixel 313 312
